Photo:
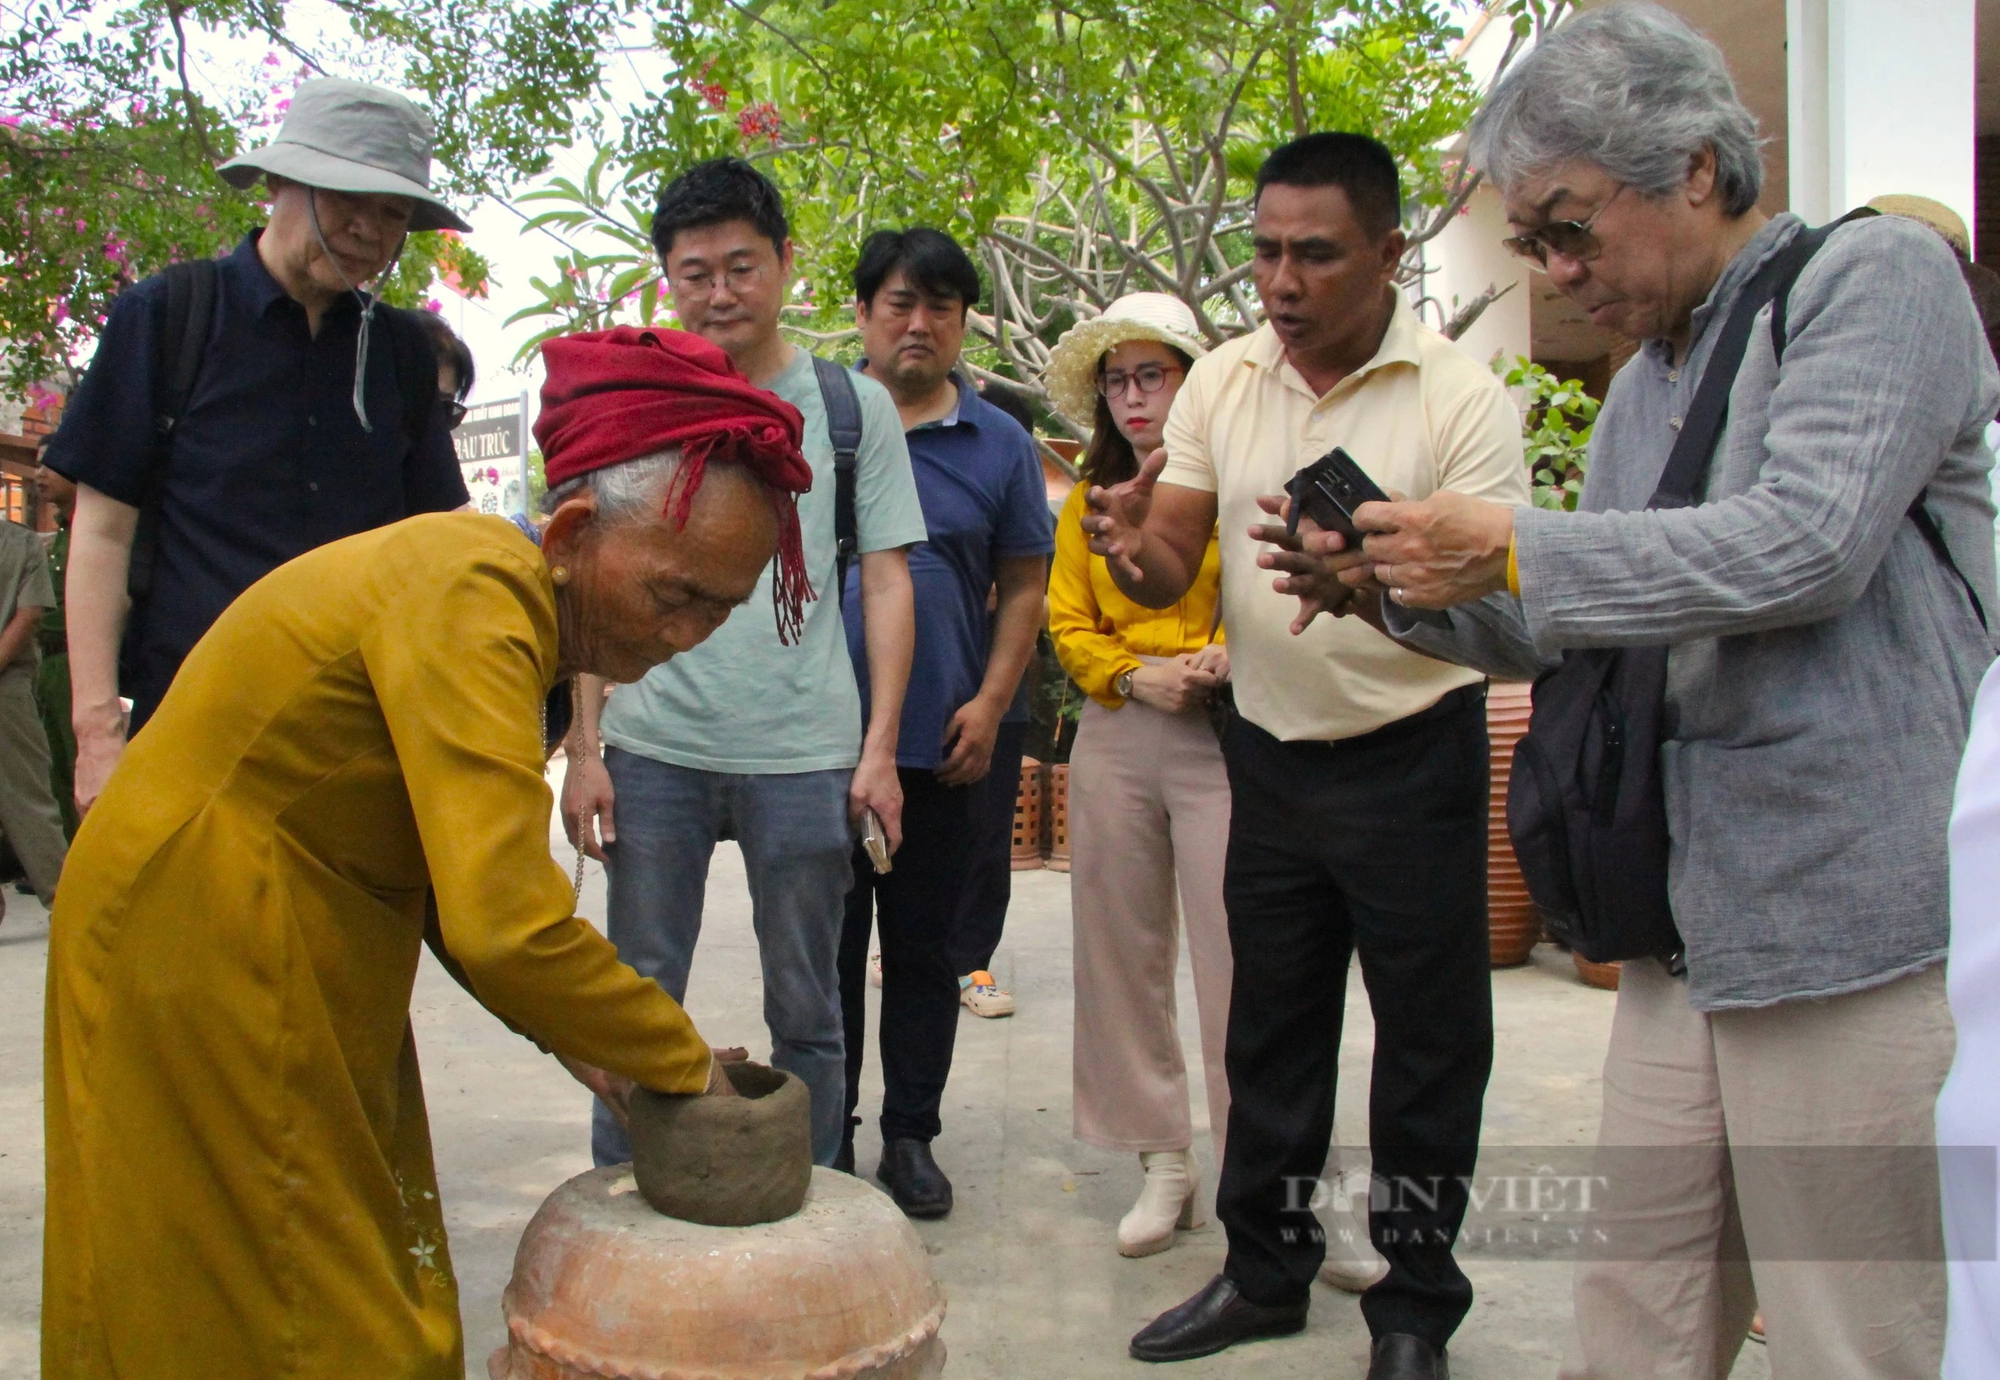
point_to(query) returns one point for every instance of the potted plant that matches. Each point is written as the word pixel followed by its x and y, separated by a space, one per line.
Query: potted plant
pixel 1041 817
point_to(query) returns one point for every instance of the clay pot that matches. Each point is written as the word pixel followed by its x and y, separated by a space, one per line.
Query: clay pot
pixel 1028 817
pixel 605 1288
pixel 726 1161
pixel 1600 975
pixel 1058 812
pixel 1514 926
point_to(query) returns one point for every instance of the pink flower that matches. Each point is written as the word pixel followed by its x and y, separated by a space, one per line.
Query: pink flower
pixel 11 121
pixel 759 121
pixel 434 305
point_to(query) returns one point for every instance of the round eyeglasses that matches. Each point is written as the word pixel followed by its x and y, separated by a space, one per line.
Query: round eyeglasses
pixel 1150 378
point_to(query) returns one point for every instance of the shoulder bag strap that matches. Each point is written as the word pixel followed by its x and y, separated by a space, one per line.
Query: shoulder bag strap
pixel 843 429
pixel 1694 448
pixel 180 339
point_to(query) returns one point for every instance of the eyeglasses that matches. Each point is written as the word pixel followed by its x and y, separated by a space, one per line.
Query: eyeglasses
pixel 1573 239
pixel 1150 378
pixel 454 410
pixel 740 278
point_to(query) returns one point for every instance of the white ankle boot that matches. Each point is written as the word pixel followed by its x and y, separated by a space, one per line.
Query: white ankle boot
pixel 1168 1201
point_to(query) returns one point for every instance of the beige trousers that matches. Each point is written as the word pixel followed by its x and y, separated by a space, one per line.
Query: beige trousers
pixel 1148 805
pixel 1738 1175
pixel 28 814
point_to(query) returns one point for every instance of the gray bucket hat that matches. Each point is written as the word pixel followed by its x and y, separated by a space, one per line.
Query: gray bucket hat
pixel 347 136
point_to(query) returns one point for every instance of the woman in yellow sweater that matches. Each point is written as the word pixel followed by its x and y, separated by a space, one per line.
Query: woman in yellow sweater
pixel 1149 799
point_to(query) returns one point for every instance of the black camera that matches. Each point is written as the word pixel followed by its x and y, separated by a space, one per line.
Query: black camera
pixel 1328 491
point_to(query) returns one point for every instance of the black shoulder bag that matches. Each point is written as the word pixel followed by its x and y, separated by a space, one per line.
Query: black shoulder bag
pixel 1586 806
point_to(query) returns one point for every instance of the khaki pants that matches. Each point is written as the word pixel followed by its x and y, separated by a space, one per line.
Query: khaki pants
pixel 1728 1198
pixel 28 814
pixel 1148 805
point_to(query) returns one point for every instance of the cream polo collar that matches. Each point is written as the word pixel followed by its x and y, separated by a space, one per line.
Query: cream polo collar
pixel 1400 345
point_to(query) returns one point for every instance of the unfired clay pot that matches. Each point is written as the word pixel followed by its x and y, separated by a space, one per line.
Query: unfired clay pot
pixel 605 1288
pixel 726 1161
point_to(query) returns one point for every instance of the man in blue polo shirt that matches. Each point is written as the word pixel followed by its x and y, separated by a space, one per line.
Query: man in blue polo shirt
pixel 276 449
pixel 986 510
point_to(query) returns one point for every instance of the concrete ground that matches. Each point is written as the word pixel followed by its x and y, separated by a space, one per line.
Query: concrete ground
pixel 1036 1290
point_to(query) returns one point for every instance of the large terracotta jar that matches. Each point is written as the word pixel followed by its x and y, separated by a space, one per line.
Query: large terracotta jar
pixel 605 1288
pixel 1513 923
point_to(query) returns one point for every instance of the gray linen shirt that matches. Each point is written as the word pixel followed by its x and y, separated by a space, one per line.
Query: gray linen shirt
pixel 1823 660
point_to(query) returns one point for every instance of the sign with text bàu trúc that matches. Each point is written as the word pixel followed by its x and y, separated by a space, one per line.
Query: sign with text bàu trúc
pixel 492 446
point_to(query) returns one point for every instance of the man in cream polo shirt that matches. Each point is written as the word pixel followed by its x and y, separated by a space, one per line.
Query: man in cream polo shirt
pixel 1357 768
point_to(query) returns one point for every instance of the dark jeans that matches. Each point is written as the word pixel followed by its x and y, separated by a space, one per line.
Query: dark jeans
pixel 915 905
pixel 1374 844
pixel 989 865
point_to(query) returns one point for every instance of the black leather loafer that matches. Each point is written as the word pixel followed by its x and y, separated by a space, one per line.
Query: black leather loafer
pixel 1401 1356
pixel 914 1179
pixel 1216 1318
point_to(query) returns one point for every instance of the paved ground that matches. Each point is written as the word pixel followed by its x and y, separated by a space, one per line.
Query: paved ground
pixel 1036 1289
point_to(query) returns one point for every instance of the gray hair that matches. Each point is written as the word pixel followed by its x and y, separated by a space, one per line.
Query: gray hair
pixel 1630 88
pixel 627 491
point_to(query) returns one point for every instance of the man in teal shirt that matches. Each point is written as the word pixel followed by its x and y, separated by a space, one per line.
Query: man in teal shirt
pixel 746 737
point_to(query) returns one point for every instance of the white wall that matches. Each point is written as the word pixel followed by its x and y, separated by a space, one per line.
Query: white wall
pixel 1881 98
pixel 1468 257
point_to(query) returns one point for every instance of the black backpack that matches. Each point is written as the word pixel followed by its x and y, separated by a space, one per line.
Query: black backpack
pixel 180 341
pixel 1586 806
pixel 843 428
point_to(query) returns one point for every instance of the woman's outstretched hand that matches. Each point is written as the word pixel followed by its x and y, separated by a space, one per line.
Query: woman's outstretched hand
pixel 615 1089
pixel 718 1075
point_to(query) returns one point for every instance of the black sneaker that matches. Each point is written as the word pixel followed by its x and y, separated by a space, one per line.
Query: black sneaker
pixel 843 1158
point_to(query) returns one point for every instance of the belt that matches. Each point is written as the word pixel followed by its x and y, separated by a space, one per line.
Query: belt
pixel 1454 702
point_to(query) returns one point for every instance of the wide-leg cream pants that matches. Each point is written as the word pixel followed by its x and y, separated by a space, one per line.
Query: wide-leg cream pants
pixel 1749 1179
pixel 1148 805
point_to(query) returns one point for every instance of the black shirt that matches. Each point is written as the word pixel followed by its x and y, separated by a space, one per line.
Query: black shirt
pixel 268 462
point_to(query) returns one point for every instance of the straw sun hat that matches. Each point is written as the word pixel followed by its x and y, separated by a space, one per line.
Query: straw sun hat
pixel 347 136
pixel 1935 214
pixel 1072 373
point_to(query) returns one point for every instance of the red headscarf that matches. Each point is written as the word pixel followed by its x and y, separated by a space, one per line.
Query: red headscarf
pixel 616 395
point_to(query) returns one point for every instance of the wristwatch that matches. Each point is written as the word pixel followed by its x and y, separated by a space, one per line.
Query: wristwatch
pixel 1124 685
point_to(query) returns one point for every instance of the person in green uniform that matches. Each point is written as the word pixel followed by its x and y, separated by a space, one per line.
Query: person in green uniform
pixel 52 681
pixel 28 815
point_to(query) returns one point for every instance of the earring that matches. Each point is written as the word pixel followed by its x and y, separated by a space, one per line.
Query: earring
pixel 559 574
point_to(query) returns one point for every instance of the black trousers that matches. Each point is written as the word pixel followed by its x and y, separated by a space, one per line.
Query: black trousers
pixel 989 863
pixel 915 905
pixel 1374 844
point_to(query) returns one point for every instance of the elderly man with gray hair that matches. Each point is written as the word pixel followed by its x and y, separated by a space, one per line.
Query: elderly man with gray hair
pixel 1822 602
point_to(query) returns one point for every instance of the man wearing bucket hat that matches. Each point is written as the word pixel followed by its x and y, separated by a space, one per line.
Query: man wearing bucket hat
pixel 242 411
